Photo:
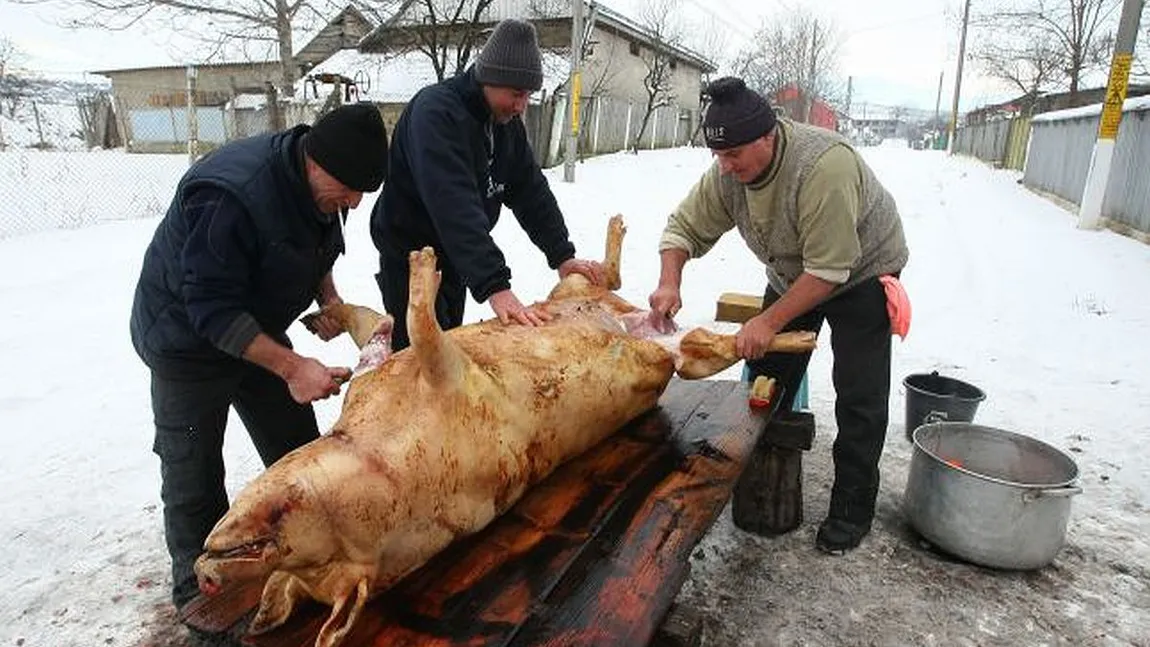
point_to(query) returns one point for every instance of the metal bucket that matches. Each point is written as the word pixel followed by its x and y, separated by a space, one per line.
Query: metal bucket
pixel 931 397
pixel 989 496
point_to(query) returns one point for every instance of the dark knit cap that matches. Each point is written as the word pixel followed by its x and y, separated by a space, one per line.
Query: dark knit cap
pixel 511 57
pixel 737 115
pixel 350 143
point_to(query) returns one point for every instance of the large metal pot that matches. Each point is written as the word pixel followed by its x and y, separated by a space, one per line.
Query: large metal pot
pixel 989 496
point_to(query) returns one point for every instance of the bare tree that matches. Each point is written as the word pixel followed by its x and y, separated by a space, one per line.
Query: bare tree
pixel 8 55
pixel 1072 32
pixel 252 29
pixel 1031 62
pixel 657 17
pixel 798 50
pixel 447 32
pixel 14 88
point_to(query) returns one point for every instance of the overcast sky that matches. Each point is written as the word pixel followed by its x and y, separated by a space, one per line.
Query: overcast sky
pixel 894 50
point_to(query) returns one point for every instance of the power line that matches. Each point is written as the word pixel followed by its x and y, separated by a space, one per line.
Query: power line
pixel 741 29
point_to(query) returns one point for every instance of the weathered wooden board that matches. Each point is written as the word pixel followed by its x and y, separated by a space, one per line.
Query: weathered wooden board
pixel 594 555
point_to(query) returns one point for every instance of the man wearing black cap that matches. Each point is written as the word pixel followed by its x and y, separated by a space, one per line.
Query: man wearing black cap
pixel 811 210
pixel 459 154
pixel 246 246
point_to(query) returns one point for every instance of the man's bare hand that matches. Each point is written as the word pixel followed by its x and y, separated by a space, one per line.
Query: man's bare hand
pixel 309 380
pixel 754 338
pixel 510 311
pixel 592 270
pixel 323 325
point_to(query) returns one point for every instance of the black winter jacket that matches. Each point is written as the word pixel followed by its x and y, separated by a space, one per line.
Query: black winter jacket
pixel 241 250
pixel 450 171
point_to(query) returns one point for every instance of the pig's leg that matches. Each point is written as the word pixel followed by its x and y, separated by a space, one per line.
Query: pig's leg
pixel 577 285
pixel 614 252
pixel 361 322
pixel 281 594
pixel 344 612
pixel 441 361
pixel 703 353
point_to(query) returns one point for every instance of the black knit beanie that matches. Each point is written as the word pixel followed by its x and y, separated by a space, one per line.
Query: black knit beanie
pixel 511 57
pixel 350 143
pixel 737 115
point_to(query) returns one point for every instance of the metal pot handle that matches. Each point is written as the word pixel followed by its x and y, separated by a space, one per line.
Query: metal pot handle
pixel 1067 491
pixel 935 416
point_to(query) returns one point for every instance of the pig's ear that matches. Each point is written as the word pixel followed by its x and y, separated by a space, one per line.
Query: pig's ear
pixel 281 594
pixel 441 361
pixel 348 605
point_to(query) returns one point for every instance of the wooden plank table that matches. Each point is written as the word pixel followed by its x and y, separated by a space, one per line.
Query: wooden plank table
pixel 594 555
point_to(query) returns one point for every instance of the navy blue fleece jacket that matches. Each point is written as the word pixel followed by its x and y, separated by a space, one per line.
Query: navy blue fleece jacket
pixel 451 170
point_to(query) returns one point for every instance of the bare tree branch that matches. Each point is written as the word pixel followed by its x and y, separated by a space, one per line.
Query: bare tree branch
pixel 658 18
pixel 445 31
pixel 1072 32
pixel 796 50
pixel 225 26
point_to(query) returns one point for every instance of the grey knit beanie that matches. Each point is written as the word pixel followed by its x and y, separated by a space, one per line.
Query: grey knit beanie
pixel 511 57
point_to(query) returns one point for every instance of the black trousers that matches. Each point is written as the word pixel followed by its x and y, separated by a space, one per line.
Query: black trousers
pixel 861 343
pixel 190 417
pixel 393 279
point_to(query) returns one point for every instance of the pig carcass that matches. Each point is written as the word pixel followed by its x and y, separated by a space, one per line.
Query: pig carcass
pixel 436 441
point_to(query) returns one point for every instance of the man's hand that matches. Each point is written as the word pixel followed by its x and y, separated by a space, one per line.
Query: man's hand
pixel 509 310
pixel 591 269
pixel 754 337
pixel 309 380
pixel 323 326
pixel 665 303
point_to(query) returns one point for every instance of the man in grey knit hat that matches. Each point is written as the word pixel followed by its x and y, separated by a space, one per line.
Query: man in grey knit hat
pixel 831 239
pixel 459 154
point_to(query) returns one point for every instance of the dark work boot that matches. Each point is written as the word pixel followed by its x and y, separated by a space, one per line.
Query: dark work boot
pixel 848 520
pixel 184 590
pixel 837 536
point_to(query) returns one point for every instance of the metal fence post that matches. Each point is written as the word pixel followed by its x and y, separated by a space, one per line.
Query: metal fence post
pixel 190 109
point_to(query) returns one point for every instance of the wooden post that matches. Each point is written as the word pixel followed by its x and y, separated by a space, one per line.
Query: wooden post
pixel 682 627
pixel 39 128
pixel 768 497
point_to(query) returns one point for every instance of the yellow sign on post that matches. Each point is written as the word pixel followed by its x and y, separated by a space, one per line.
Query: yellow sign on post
pixel 576 91
pixel 1115 97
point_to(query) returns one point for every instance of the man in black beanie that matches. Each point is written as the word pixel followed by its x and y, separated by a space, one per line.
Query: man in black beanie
pixel 459 155
pixel 247 244
pixel 813 212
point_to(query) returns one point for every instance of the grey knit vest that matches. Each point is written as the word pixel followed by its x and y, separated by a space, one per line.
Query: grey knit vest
pixel 774 236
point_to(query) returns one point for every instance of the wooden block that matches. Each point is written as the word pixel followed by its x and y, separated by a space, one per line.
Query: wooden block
pixel 791 430
pixel 768 497
pixel 736 307
pixel 682 627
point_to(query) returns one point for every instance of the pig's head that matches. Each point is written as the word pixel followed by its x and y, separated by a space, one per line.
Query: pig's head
pixel 274 524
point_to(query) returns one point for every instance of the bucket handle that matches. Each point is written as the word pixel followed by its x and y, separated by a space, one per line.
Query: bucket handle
pixel 935 416
pixel 1063 492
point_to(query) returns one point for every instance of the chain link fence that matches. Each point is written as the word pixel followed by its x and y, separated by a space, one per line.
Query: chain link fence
pixel 69 162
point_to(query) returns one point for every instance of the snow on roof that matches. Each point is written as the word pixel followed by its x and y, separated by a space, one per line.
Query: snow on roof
pixel 1093 110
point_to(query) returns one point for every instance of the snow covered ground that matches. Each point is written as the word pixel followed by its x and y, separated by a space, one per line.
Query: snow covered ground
pixel 1008 294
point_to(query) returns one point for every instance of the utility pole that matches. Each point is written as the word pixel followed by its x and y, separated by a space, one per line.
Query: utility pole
pixel 190 110
pixel 573 90
pixel 938 99
pixel 810 102
pixel 850 87
pixel 1090 210
pixel 958 80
